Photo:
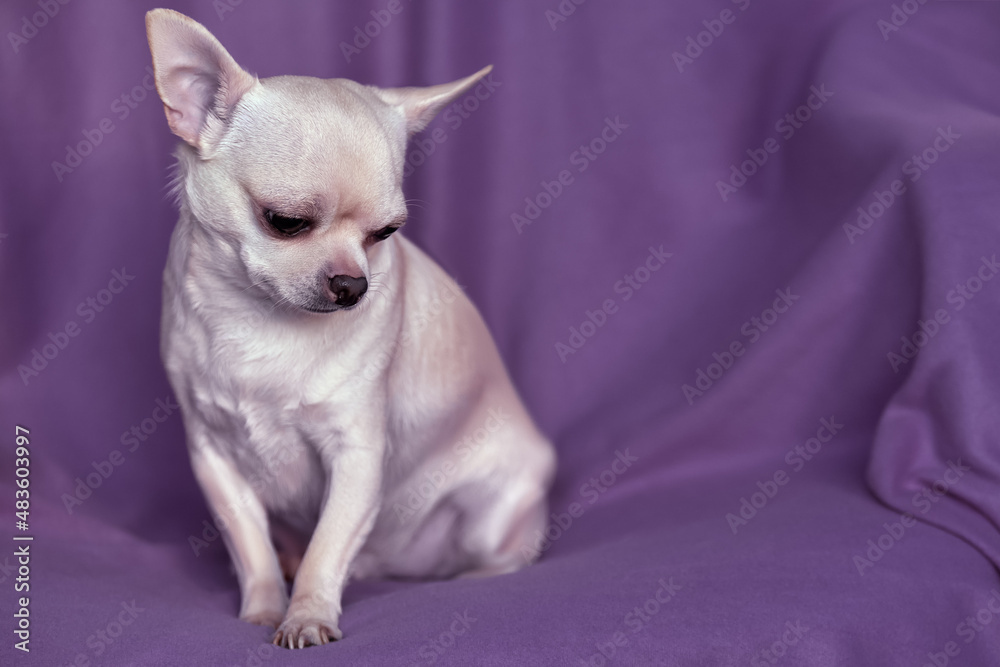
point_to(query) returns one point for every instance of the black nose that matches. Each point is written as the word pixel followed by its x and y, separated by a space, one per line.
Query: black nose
pixel 347 290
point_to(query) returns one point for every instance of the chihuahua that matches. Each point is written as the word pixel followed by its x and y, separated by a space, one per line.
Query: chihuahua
pixel 362 424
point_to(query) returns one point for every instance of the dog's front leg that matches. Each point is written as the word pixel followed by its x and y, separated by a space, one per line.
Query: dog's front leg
pixel 354 473
pixel 243 522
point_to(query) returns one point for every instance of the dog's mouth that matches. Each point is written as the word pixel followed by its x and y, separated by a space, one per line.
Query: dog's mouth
pixel 309 302
pixel 328 308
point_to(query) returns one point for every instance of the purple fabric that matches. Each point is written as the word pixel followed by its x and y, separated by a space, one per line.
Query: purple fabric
pixel 821 499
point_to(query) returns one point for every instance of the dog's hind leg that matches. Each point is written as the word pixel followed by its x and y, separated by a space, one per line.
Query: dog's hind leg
pixel 503 536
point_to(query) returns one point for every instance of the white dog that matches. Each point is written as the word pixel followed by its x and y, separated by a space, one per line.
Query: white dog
pixel 336 384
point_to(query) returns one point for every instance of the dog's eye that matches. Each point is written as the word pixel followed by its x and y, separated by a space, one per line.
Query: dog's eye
pixel 285 225
pixel 385 232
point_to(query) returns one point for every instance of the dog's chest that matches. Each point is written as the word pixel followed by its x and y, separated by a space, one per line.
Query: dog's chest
pixel 272 393
pixel 260 436
pixel 260 405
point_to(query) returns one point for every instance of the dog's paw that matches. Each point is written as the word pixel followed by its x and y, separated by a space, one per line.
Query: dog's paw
pixel 268 618
pixel 302 632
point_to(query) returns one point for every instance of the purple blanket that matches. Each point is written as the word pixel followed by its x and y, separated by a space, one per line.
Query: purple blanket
pixel 740 258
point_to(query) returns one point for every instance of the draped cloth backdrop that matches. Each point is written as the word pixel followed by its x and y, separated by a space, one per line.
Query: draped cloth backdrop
pixel 740 258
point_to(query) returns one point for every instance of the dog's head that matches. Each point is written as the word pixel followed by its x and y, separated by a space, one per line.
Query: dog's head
pixel 297 179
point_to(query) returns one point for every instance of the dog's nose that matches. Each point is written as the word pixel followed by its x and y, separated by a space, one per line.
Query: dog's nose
pixel 347 290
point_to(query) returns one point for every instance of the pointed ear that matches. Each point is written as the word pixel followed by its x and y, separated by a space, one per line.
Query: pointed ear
pixel 198 81
pixel 419 105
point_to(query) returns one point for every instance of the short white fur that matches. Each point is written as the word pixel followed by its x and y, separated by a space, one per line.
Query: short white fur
pixel 309 431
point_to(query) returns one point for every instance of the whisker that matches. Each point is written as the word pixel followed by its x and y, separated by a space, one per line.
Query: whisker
pixel 256 284
pixel 280 302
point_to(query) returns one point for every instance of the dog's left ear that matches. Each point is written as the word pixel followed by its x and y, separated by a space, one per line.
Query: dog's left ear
pixel 198 81
pixel 419 105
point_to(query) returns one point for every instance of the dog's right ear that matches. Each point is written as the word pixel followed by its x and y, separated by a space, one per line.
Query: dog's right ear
pixel 197 79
